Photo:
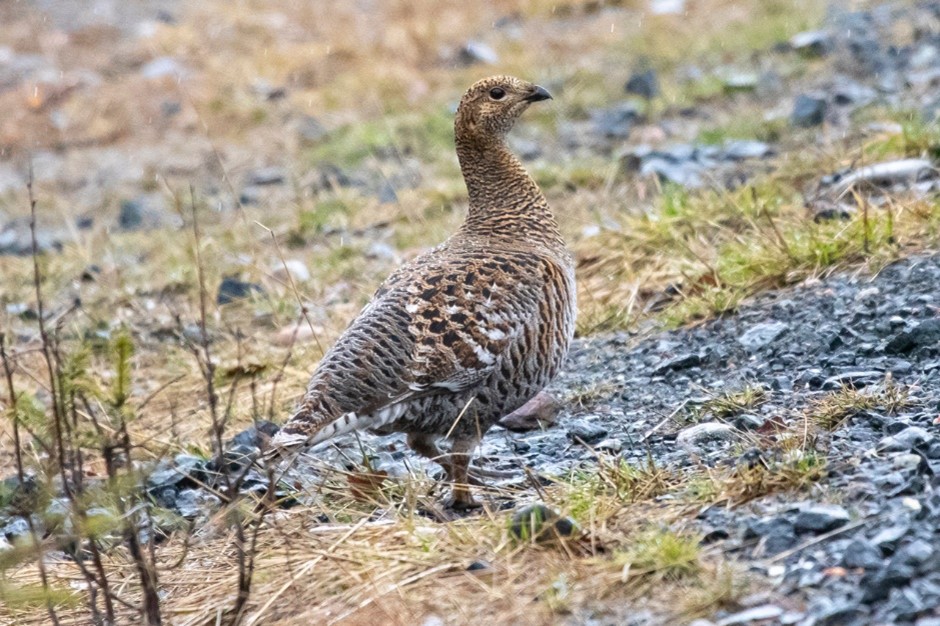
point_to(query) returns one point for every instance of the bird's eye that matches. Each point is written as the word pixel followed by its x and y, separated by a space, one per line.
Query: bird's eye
pixel 497 93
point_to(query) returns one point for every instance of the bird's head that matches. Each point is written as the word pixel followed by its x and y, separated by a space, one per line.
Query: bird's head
pixel 491 106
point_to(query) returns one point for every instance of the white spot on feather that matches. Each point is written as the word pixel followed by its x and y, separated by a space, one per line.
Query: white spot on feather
pixel 495 334
pixel 482 355
pixel 450 385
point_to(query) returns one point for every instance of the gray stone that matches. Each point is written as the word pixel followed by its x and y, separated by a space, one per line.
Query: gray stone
pixel 915 553
pixel 615 122
pixel 21 310
pixel 888 173
pixel 925 56
pixel 863 554
pixel 820 518
pixel 846 93
pixel 734 82
pixel 146 212
pixel 754 614
pixel 742 149
pixel 808 111
pixel 256 435
pixel 898 571
pixel 16 527
pixel 644 84
pixel 908 439
pixel 194 502
pixel 381 250
pixel 386 193
pixel 232 289
pixel 610 445
pixel 776 534
pixel 686 174
pixel 815 43
pixel 185 469
pixel 667 7
pixel 748 421
pixel 761 335
pixel 250 196
pixel 170 108
pixel 840 613
pixel 291 269
pixel 240 456
pixel 479 566
pixel 474 52
pixel 681 362
pixel 15 238
pixel 164 475
pixel 267 91
pixel 853 379
pixel 887 539
pixel 586 432
pixel 310 130
pixel 926 333
pixel 540 523
pixel 266 176
pixel 163 67
pixel 909 461
pixel 702 436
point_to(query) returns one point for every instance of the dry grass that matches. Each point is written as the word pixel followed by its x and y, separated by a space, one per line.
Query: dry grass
pixel 716 248
pixel 405 568
pixel 731 403
pixel 833 409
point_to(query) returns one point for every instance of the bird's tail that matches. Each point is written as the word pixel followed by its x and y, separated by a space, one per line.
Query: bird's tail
pixel 303 430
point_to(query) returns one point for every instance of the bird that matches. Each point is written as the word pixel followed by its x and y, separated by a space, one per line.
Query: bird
pixel 466 332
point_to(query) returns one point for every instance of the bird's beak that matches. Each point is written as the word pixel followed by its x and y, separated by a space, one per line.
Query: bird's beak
pixel 538 94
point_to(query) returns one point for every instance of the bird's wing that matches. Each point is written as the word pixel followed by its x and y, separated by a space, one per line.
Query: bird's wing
pixel 465 318
pixel 435 327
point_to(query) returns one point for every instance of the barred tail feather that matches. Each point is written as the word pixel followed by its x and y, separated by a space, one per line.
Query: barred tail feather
pixel 293 434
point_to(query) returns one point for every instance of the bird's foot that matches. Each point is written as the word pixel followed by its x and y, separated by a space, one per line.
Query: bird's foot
pixel 461 501
pixel 483 472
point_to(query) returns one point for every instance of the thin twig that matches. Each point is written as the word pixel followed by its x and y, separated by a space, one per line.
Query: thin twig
pixel 665 420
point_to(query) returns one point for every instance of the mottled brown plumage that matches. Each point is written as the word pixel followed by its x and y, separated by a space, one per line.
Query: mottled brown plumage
pixel 467 332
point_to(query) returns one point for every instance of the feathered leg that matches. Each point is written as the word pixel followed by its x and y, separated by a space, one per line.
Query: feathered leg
pixel 456 465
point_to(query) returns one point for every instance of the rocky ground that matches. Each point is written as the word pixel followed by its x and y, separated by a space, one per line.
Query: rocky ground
pixel 859 546
pixel 802 430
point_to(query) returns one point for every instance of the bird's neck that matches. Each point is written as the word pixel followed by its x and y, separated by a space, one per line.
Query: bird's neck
pixel 504 200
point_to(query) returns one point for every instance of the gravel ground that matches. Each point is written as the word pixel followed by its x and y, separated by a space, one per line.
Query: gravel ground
pixel 859 548
pixel 861 545
pixel 871 529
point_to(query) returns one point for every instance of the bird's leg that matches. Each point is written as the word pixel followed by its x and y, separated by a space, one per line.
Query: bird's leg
pixel 460 497
pixel 426 446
